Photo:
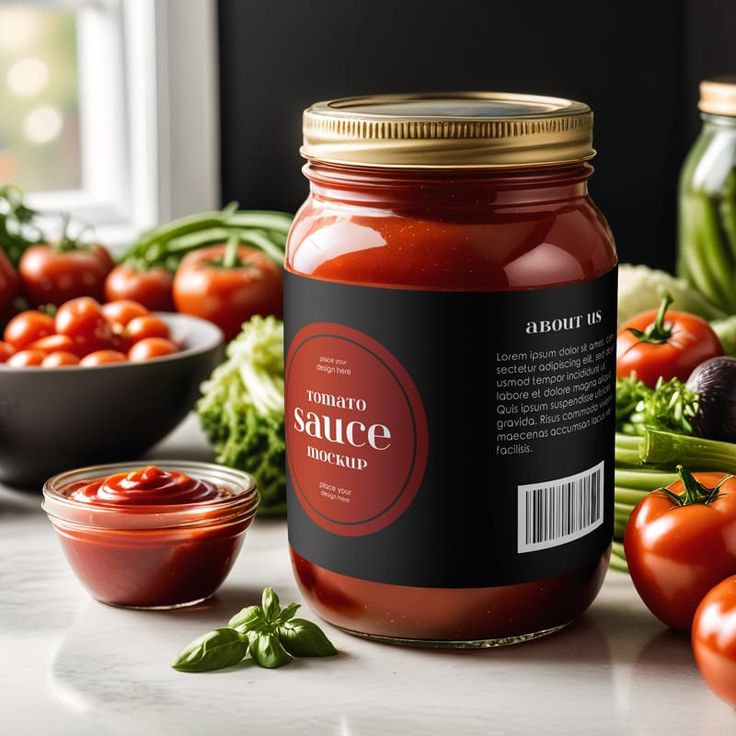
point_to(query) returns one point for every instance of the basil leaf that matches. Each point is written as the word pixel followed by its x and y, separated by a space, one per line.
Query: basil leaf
pixel 266 650
pixel 213 651
pixel 247 619
pixel 288 612
pixel 303 638
pixel 270 604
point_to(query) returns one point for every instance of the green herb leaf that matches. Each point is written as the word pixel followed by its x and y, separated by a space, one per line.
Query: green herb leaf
pixel 213 651
pixel 247 619
pixel 270 604
pixel 266 650
pixel 303 638
pixel 288 612
pixel 270 635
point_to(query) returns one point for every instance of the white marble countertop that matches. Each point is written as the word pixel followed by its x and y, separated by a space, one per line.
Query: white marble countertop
pixel 70 665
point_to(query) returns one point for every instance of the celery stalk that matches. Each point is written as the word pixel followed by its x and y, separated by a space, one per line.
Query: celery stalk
pixel 636 479
pixel 667 448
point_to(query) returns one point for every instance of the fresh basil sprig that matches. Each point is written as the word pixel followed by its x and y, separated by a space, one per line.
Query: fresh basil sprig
pixel 269 634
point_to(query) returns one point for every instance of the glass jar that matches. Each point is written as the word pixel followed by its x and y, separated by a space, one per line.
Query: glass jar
pixel 707 201
pixel 450 313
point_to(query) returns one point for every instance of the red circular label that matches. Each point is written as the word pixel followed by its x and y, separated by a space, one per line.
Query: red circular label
pixel 356 431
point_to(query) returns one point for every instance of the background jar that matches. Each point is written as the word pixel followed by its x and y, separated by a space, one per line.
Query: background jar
pixel 707 198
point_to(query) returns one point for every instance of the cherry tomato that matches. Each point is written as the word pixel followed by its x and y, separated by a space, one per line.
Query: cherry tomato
pixel 83 321
pixel 143 327
pixel 53 274
pixel 228 285
pixel 27 327
pixel 6 350
pixel 714 640
pixel 151 288
pixel 8 284
pixel 26 358
pixel 667 344
pixel 54 343
pixel 103 357
pixel 59 359
pixel 122 311
pixel 151 347
pixel 679 543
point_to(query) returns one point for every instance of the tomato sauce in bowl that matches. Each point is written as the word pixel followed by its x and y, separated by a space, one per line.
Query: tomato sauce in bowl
pixel 161 536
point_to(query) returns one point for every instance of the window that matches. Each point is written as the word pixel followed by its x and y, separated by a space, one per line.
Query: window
pixel 39 96
pixel 108 109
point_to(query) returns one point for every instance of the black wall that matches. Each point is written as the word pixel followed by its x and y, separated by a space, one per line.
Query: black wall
pixel 636 62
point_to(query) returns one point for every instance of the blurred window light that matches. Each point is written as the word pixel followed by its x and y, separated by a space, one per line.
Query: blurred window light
pixel 27 77
pixel 42 124
pixel 39 97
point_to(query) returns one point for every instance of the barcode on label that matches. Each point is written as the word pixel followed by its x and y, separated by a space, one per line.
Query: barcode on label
pixel 558 511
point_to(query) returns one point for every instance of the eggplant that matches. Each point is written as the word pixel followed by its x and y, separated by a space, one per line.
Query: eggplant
pixel 715 383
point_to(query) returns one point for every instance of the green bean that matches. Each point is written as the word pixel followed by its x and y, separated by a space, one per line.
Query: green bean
pixel 167 244
pixel 258 239
pixel 693 258
pixel 718 257
pixel 182 226
pixel 727 211
pixel 261 220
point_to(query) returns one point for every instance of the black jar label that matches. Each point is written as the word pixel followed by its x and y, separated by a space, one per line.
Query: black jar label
pixel 450 439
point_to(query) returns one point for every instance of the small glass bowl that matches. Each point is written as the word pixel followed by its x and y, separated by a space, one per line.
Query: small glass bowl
pixel 152 556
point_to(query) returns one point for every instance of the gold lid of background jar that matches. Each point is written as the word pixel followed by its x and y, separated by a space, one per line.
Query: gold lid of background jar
pixel 718 95
pixel 448 130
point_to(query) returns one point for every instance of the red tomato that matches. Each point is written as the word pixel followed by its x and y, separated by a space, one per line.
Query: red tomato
pixel 151 347
pixel 59 359
pixel 83 321
pixel 680 542
pixel 54 343
pixel 714 640
pixel 152 288
pixel 27 327
pixel 103 357
pixel 228 286
pixel 667 344
pixel 8 284
pixel 123 311
pixel 54 274
pixel 143 327
pixel 6 350
pixel 26 358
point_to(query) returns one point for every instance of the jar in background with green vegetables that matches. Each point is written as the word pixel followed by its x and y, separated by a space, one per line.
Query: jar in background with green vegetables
pixel 707 204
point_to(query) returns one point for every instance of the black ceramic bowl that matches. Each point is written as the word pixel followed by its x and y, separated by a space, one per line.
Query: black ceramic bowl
pixel 53 419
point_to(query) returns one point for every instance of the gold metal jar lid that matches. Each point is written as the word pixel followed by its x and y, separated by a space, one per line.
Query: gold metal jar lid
pixel 448 130
pixel 718 95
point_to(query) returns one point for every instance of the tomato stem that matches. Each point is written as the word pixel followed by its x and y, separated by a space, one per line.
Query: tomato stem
pixel 230 259
pixel 66 242
pixel 659 331
pixel 694 490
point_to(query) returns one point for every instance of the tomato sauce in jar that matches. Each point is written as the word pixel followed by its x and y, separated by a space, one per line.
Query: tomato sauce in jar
pixel 450 331
pixel 162 536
